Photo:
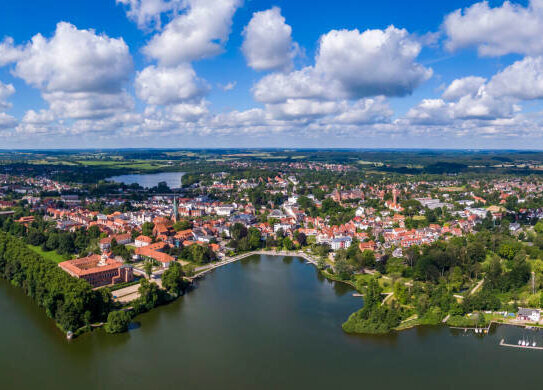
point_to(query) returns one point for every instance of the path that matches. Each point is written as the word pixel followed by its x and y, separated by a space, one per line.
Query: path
pixel 477 287
pixel 201 271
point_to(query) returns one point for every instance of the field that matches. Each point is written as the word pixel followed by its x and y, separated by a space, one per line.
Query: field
pixel 51 255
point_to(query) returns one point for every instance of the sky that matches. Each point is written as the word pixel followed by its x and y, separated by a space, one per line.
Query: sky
pixel 258 73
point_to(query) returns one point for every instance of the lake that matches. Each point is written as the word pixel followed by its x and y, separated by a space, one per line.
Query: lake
pixel 263 323
pixel 173 179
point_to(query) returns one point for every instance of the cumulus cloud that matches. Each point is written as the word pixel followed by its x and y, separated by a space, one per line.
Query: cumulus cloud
pixel 6 90
pixel 365 111
pixel 7 121
pixel 510 28
pixel 80 74
pixel 462 87
pixel 147 13
pixel 522 80
pixel 158 85
pixel 375 62
pixel 268 42
pixel 200 32
pixel 75 61
pixel 9 53
pixel 430 112
pixel 352 65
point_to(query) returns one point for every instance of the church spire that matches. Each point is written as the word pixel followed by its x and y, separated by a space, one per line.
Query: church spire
pixel 175 209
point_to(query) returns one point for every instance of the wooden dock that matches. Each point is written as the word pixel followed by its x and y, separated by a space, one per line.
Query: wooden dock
pixel 504 344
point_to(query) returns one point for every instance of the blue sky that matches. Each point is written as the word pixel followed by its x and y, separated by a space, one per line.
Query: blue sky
pixel 256 73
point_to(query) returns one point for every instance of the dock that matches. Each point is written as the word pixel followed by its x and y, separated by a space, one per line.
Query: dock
pixel 504 344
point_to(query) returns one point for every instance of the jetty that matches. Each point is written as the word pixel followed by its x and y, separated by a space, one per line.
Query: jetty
pixel 504 344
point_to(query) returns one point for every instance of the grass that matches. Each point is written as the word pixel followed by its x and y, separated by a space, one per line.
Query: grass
pixel 50 255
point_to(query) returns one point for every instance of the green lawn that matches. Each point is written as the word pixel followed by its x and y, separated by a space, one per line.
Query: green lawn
pixel 51 255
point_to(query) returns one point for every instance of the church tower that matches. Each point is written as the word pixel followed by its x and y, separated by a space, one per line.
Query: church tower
pixel 175 209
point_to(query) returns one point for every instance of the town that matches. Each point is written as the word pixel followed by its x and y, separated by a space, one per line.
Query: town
pixel 364 230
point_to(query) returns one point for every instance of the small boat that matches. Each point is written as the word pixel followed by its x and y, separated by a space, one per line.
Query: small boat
pixel 519 342
pixel 534 344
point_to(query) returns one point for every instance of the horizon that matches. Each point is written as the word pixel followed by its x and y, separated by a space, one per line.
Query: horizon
pixel 216 74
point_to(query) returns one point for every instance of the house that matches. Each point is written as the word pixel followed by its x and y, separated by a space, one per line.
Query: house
pixel 524 314
pixel 98 270
pixel 142 241
pixel 340 243
pixel 122 239
pixel 154 252
pixel 367 246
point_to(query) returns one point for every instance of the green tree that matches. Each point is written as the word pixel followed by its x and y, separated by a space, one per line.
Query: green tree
pixel 147 229
pixel 172 279
pixel 148 267
pixel 117 322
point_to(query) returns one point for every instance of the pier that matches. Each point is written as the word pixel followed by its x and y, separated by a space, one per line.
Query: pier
pixel 504 344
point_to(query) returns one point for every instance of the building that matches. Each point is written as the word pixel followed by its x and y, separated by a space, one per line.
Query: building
pixel 121 239
pixel 528 314
pixel 154 252
pixel 98 270
pixel 142 241
pixel 340 243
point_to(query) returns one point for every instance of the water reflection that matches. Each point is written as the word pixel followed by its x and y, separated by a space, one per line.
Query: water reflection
pixel 172 179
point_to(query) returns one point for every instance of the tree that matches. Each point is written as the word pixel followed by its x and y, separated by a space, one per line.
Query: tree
pixel 172 279
pixel 254 238
pixel 301 238
pixel 147 229
pixel 342 268
pixel 183 224
pixel 238 231
pixel 476 251
pixel 118 322
pixel 368 258
pixel 93 232
pixel 148 267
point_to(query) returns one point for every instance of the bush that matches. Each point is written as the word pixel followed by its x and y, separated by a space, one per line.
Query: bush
pixel 117 322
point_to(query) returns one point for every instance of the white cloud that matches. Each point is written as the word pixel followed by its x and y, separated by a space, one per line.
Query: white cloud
pixel 40 117
pixel 484 105
pixel 375 62
pixel 157 85
pixel 228 86
pixel 86 105
pixel 352 65
pixel 268 42
pixel 430 112
pixel 6 90
pixel 7 121
pixel 510 28
pixel 302 108
pixel 522 80
pixel 300 84
pixel 200 32
pixel 75 61
pixel 8 52
pixel 79 73
pixel 147 13
pixel 365 111
pixel 38 122
pixel 464 86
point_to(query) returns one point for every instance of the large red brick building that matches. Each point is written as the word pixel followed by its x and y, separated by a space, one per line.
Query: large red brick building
pixel 98 270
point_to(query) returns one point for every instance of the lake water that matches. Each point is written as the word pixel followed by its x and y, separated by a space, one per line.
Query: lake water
pixel 263 323
pixel 173 179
